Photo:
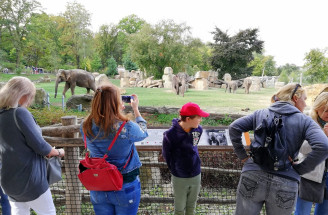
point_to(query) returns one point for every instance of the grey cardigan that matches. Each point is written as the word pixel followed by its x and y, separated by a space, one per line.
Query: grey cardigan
pixel 300 127
pixel 23 172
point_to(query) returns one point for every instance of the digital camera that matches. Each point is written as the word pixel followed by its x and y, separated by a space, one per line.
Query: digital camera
pixel 127 99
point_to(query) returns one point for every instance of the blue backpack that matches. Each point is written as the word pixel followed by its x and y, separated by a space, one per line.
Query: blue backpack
pixel 270 148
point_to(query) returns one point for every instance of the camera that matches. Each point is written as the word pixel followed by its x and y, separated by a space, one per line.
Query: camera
pixel 127 99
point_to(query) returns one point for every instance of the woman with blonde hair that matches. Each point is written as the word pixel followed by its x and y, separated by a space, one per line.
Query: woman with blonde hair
pixel 22 151
pixel 276 187
pixel 313 185
pixel 100 128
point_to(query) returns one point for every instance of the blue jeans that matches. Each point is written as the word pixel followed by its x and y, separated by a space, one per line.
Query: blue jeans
pixel 257 188
pixel 304 207
pixel 5 206
pixel 122 202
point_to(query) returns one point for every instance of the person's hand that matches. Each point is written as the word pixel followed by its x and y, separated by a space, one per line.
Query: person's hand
pixel 135 104
pixel 325 129
pixel 56 152
pixel 134 101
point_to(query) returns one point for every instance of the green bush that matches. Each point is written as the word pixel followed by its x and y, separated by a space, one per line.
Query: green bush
pixel 45 117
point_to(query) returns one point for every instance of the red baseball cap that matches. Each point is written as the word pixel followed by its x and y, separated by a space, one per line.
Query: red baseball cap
pixel 191 109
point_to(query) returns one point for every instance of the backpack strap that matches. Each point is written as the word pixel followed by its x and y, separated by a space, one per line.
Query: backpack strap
pixel 112 143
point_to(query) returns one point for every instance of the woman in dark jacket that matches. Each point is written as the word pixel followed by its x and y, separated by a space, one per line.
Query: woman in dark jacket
pixel 22 151
pixel 277 189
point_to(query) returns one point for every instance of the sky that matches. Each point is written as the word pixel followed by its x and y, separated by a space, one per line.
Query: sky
pixel 289 28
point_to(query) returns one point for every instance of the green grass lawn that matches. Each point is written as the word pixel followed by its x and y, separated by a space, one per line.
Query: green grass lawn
pixel 213 100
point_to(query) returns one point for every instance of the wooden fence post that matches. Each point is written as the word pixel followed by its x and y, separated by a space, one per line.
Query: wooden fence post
pixel 73 185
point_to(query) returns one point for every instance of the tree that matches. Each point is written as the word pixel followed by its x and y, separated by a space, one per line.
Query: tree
pixel 129 64
pixel 106 43
pixel 263 65
pixel 289 68
pixel 76 35
pixel 231 54
pixel 16 16
pixel 96 63
pixel 155 47
pixel 130 24
pixel 112 67
pixel 316 66
pixel 42 43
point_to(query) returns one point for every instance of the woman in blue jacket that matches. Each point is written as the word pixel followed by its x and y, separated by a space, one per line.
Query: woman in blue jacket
pixel 100 127
pixel 277 189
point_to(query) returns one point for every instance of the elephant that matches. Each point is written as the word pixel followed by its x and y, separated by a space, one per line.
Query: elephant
pixel 180 83
pixel 247 84
pixel 232 85
pixel 75 77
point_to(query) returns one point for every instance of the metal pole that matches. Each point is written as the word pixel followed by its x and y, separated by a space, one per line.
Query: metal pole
pixel 48 101
pixel 63 102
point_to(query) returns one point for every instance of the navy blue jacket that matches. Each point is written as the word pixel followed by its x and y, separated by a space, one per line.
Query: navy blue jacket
pixel 180 150
pixel 299 128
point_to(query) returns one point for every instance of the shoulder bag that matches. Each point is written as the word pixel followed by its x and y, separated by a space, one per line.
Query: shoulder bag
pixel 53 164
pixel 97 174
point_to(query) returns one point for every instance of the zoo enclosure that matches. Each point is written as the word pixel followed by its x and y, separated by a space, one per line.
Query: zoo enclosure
pixel 220 175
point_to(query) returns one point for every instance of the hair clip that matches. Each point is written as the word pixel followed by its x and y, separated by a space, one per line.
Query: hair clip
pixel 99 90
pixel 275 98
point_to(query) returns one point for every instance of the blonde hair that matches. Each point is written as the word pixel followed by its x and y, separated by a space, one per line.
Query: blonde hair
pixel 285 93
pixel 319 102
pixel 14 90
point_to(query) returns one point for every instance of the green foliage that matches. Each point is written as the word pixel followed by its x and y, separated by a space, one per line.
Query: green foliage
pixel 107 45
pixel 131 24
pixel 129 64
pixel 284 77
pixel 96 63
pixel 231 54
pixel 112 67
pixel 316 66
pixel 46 117
pixel 263 65
pixel 155 47
pixel 289 68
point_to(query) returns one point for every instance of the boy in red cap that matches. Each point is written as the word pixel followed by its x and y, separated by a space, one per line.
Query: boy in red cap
pixel 181 154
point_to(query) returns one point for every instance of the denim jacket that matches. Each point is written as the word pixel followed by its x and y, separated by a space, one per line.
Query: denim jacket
pixel 123 147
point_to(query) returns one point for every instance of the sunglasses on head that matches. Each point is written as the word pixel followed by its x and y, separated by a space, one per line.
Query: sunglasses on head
pixel 297 86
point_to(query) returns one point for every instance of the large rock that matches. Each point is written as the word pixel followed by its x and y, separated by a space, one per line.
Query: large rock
pixel 201 84
pixel 101 80
pixel 202 74
pixel 256 84
pixel 40 99
pixel 125 82
pixel 227 77
pixel 168 70
pixel 76 100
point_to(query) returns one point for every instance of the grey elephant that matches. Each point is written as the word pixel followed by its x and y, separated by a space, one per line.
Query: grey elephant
pixel 247 84
pixel 180 83
pixel 75 77
pixel 233 85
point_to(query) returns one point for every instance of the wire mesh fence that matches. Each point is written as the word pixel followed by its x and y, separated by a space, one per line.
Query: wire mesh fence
pixel 220 175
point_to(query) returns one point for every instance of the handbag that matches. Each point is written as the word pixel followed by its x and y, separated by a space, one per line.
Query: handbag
pixel 53 164
pixel 54 170
pixel 312 191
pixel 97 174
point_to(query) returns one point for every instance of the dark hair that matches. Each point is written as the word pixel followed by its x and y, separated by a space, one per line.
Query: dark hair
pixel 105 110
pixel 184 118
